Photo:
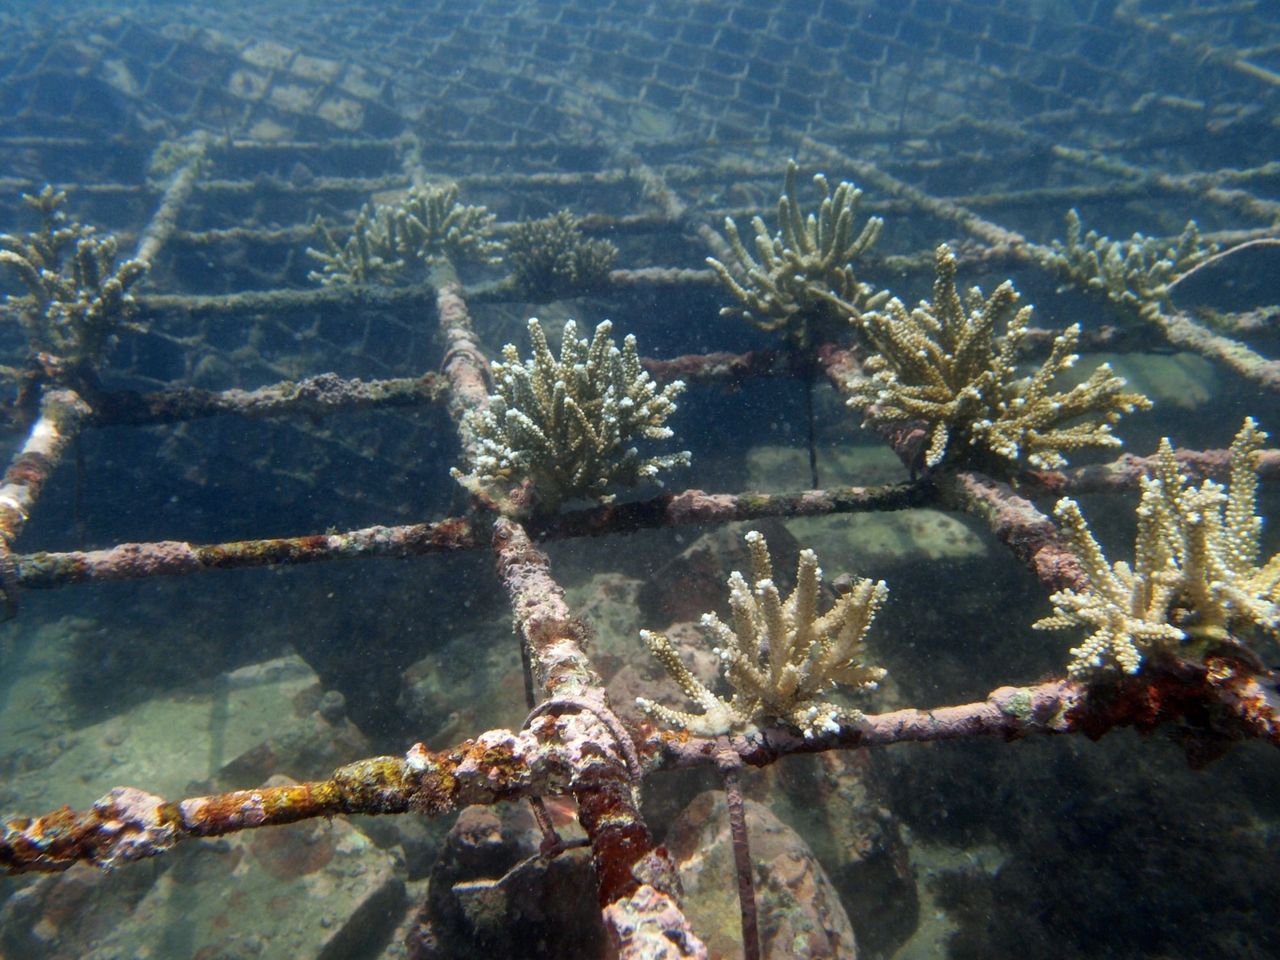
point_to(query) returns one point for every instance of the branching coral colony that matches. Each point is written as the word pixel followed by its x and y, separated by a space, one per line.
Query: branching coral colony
pixel 77 295
pixel 1195 582
pixel 551 258
pixel 372 254
pixel 564 425
pixel 801 267
pixel 942 363
pixel 388 239
pixel 780 657
pixel 1134 273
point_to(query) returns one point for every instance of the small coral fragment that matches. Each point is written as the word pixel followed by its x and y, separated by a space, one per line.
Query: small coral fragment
pixel 370 255
pixel 389 240
pixel 1134 273
pixel 432 224
pixel 779 657
pixel 551 258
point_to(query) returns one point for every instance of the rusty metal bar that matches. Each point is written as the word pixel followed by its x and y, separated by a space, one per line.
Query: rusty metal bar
pixel 132 561
pixel 554 755
pixel 312 397
pixel 1172 691
pixel 176 194
pixel 465 364
pixel 1016 522
pixel 638 884
pixel 283 302
pixel 1179 329
pixel 573 751
pixel 63 412
pixel 636 877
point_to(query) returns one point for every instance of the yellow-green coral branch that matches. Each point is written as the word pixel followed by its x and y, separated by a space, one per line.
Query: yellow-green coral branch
pixel 779 657
pixel 791 280
pixel 427 226
pixel 1195 580
pixel 1133 272
pixel 77 295
pixel 952 363
pixel 551 258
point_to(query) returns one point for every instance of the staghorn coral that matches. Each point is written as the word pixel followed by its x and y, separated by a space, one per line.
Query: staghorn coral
pixel 1195 580
pixel 77 295
pixel 940 363
pixel 428 226
pixel 551 258
pixel 564 424
pixel 804 266
pixel 432 225
pixel 1134 273
pixel 371 254
pixel 779 657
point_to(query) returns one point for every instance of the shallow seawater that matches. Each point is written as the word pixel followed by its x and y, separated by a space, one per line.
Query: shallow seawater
pixel 263 423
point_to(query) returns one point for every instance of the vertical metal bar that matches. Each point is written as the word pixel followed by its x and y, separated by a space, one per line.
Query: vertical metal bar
pixel 63 411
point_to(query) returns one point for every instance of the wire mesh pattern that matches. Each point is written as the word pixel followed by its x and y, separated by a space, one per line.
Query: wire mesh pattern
pixel 508 98
pixel 654 72
pixel 499 97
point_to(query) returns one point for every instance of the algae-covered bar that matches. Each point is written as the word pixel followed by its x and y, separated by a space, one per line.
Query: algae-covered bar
pixel 804 477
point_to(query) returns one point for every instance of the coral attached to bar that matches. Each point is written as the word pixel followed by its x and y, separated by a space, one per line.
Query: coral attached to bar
pixel 565 425
pixel 370 255
pixel 803 266
pixel 77 295
pixel 432 225
pixel 1195 581
pixel 429 225
pixel 1133 273
pixel 551 258
pixel 945 363
pixel 779 657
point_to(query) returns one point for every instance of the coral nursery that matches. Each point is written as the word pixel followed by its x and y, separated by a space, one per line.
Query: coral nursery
pixel 806 479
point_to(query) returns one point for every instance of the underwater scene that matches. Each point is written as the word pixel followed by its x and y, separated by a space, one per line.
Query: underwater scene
pixel 640 478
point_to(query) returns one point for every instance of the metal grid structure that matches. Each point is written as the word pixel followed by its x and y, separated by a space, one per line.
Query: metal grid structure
pixel 653 120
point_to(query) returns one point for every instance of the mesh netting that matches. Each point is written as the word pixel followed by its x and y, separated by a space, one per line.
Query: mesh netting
pixel 654 119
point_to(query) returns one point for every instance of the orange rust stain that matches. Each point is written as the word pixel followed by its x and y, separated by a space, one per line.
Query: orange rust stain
pixel 1142 702
pixel 452 531
pixel 28 469
pixel 618 839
